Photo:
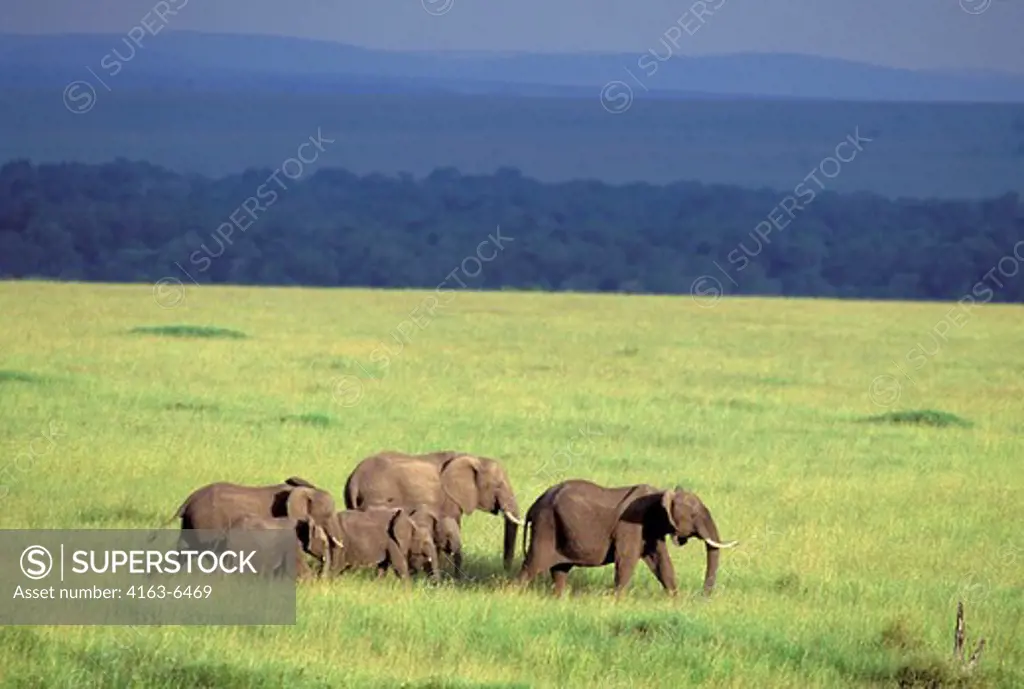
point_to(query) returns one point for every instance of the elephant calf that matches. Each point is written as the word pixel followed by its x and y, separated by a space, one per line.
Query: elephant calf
pixel 447 535
pixel 244 534
pixel 384 537
pixel 578 523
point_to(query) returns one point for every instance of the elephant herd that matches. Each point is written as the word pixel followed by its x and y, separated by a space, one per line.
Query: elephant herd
pixel 403 511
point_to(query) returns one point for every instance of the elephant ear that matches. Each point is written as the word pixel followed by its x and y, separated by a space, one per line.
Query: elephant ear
pixel 300 502
pixel 459 477
pixel 306 531
pixel 425 518
pixel 400 527
pixel 668 499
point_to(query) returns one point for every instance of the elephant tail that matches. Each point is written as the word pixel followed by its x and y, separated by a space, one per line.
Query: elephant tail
pixel 298 482
pixel 177 515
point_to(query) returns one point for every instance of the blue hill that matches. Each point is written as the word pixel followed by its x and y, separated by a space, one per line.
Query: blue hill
pixel 229 61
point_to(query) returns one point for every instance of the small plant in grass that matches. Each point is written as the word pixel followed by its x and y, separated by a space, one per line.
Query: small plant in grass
pixel 190 331
pixel 321 420
pixel 8 376
pixel 920 417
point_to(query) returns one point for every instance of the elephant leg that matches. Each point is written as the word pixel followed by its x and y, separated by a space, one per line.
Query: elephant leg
pixel 382 571
pixel 526 575
pixel 398 561
pixel 302 570
pixel 457 564
pixel 624 565
pixel 401 568
pixel 536 561
pixel 660 563
pixel 560 574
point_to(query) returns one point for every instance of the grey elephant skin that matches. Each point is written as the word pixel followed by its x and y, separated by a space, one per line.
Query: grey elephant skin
pixel 385 538
pixel 451 483
pixel 446 534
pixel 244 535
pixel 214 507
pixel 579 523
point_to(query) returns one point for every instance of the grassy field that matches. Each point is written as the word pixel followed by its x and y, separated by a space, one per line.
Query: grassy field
pixel 857 536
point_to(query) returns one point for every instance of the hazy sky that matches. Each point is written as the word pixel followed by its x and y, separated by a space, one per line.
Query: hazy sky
pixel 903 33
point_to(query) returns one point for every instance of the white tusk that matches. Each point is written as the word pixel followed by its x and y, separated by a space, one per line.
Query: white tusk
pixel 715 544
pixel 336 542
pixel 514 519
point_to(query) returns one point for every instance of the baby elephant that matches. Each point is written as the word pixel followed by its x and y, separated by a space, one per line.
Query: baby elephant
pixel 384 537
pixel 244 534
pixel 447 537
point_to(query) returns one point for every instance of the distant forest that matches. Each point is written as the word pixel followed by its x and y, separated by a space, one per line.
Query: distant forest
pixel 131 221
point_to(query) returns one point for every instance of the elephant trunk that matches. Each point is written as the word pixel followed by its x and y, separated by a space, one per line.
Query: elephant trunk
pixel 708 532
pixel 334 544
pixel 328 545
pixel 435 566
pixel 511 534
pixel 712 568
pixel 510 510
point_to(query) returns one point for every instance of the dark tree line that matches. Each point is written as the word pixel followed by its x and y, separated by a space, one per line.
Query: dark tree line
pixel 134 222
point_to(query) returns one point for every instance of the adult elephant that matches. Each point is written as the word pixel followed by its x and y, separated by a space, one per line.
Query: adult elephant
pixel 208 512
pixel 451 483
pixel 578 523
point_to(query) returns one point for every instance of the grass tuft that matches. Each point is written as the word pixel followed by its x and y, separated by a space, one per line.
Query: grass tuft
pixel 195 407
pixel 102 515
pixel 9 376
pixel 921 417
pixel 898 636
pixel 191 331
pixel 455 684
pixel 788 584
pixel 320 420
pixel 930 673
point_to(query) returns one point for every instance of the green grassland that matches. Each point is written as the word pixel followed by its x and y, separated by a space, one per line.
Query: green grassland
pixel 857 536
